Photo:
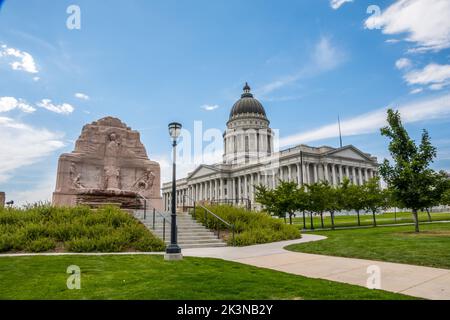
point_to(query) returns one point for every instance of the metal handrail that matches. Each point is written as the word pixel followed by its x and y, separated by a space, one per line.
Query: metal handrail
pixel 165 219
pixel 229 225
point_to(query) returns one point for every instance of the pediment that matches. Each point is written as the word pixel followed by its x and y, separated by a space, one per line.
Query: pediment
pixel 350 152
pixel 203 170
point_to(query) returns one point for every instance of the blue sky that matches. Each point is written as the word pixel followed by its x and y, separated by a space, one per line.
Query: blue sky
pixel 152 62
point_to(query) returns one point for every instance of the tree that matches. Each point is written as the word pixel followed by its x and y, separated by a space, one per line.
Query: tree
pixel 353 197
pixel 280 201
pixel 410 177
pixel 375 198
pixel 317 199
pixel 333 200
pixel 267 199
pixel 445 200
pixel 433 195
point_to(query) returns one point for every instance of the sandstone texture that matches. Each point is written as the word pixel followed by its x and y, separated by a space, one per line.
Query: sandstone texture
pixel 108 166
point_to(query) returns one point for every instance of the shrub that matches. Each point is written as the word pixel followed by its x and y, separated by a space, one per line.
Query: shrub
pixel 38 228
pixel 81 245
pixel 41 245
pixel 251 227
pixel 149 245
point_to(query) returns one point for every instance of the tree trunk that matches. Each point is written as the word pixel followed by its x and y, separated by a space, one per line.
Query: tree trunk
pixel 321 220
pixel 359 220
pixel 416 220
pixel 429 215
pixel 290 218
pixel 312 222
pixel 374 218
pixel 304 221
pixel 332 220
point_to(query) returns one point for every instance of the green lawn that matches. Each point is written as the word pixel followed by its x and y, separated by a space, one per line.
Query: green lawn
pixel 431 247
pixel 367 220
pixel 150 277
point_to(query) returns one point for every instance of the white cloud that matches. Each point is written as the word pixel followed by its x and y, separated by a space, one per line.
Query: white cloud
pixel 336 4
pixel 11 103
pixel 433 108
pixel 416 91
pixel 435 75
pixel 210 107
pixel 392 41
pixel 22 60
pixel 326 56
pixel 403 63
pixel 425 23
pixel 23 145
pixel 64 108
pixel 81 96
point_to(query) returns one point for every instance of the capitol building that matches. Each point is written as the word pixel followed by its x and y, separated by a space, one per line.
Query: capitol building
pixel 249 159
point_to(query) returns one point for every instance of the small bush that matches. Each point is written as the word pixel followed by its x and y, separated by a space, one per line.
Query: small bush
pixel 81 245
pixel 250 227
pixel 39 228
pixel 41 245
pixel 149 245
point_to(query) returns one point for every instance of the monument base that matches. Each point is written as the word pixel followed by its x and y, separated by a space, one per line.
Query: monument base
pixel 96 198
pixel 173 256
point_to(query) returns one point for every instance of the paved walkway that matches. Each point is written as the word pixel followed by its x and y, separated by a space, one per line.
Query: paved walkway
pixel 423 282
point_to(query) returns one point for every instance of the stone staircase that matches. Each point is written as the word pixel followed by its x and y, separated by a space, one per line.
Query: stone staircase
pixel 191 234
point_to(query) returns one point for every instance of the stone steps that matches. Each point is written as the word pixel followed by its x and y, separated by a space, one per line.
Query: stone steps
pixel 191 234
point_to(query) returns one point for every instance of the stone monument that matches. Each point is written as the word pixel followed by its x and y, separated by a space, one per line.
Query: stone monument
pixel 109 165
pixel 2 199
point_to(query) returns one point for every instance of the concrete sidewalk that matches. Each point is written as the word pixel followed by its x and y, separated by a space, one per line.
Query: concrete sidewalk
pixel 423 282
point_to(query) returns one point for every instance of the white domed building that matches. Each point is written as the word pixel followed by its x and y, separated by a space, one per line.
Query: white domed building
pixel 250 159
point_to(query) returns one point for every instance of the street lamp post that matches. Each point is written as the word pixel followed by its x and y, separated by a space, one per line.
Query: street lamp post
pixel 173 251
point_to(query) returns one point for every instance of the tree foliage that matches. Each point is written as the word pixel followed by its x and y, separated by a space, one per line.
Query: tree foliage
pixel 409 177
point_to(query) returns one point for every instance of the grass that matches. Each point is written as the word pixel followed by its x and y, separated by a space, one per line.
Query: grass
pixel 366 219
pixel 42 228
pixel 150 277
pixel 251 227
pixel 430 247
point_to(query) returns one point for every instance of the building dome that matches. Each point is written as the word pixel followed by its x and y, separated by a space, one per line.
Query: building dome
pixel 247 105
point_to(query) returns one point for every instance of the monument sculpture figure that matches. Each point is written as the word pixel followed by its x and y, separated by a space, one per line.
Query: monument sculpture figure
pixel 109 165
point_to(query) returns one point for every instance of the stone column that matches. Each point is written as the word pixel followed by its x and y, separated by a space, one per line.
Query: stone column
pixel 366 174
pixel 360 176
pixel 216 189
pixel 333 173
pixel 325 172
pixel 246 186
pixel 354 175
pixel 341 177
pixel 273 179
pixel 252 182
pixel 316 173
pixel 305 173
pixel 289 173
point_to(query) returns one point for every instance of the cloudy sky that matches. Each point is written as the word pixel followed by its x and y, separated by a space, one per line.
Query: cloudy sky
pixel 152 62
